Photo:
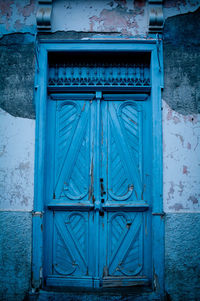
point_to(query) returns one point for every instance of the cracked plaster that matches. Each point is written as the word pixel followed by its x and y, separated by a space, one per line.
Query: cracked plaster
pixel 16 162
pixel 181 161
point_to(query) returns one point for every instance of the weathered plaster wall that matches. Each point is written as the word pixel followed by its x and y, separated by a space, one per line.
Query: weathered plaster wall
pixel 181 162
pixel 17 143
pixel 16 162
pixel 181 62
pixel 177 7
pixel 182 263
pixel 125 17
pixel 15 254
pixel 181 151
pixel 17 65
pixel 120 17
pixel 17 16
pixel 16 201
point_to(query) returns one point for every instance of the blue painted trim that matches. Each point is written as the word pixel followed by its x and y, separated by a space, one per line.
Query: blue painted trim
pixel 127 207
pixel 72 206
pixel 156 181
pixel 40 101
pixel 96 40
pixel 99 46
pixel 114 97
pixel 162 67
pixel 73 282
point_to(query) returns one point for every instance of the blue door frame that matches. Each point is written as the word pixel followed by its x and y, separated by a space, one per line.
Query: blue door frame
pixel 41 123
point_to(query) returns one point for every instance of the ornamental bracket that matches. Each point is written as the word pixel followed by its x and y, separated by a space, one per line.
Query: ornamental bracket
pixel 156 18
pixel 43 16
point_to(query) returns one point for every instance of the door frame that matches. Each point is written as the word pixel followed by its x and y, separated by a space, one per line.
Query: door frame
pixel 40 96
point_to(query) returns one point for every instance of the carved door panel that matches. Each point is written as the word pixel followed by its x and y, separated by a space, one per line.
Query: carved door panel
pixel 97 224
pixel 70 191
pixel 125 192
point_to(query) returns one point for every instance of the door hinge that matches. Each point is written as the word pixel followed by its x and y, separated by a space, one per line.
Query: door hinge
pixel 159 213
pixel 37 213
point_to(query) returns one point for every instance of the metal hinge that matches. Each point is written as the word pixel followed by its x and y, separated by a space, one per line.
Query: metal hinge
pixel 158 213
pixel 37 213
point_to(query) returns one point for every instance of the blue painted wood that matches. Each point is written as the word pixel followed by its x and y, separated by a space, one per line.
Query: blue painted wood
pixel 157 183
pixel 40 100
pixel 124 196
pixel 108 75
pixel 125 237
pixel 91 143
pixel 72 178
pixel 70 243
pixel 123 170
pixel 96 138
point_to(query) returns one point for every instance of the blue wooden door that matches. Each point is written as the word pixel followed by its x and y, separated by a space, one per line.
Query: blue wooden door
pixel 125 194
pixel 97 222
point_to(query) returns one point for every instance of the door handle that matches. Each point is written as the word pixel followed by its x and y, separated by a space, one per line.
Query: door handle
pixel 102 187
pixel 98 203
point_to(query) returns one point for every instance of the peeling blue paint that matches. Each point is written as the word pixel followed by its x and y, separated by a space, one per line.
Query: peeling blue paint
pixel 17 16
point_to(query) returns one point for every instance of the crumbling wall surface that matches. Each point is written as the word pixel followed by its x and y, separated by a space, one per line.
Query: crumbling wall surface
pixel 17 16
pixel 181 62
pixel 181 154
pixel 123 18
pixel 182 256
pixel 16 203
pixel 17 74
pixel 17 143
pixel 16 162
pixel 15 252
pixel 179 7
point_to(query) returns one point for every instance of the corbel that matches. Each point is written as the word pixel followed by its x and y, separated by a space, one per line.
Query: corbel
pixel 43 15
pixel 156 18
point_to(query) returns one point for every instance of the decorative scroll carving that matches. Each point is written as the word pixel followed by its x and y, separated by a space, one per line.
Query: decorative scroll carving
pixel 43 16
pixel 102 75
pixel 125 244
pixel 70 244
pixel 156 18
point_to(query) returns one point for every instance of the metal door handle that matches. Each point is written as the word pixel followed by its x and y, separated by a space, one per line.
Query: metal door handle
pixel 102 187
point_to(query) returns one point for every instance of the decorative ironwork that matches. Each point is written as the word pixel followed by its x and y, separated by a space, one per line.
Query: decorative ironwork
pixel 99 75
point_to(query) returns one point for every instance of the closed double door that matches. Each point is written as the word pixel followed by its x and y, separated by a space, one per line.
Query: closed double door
pixel 97 217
